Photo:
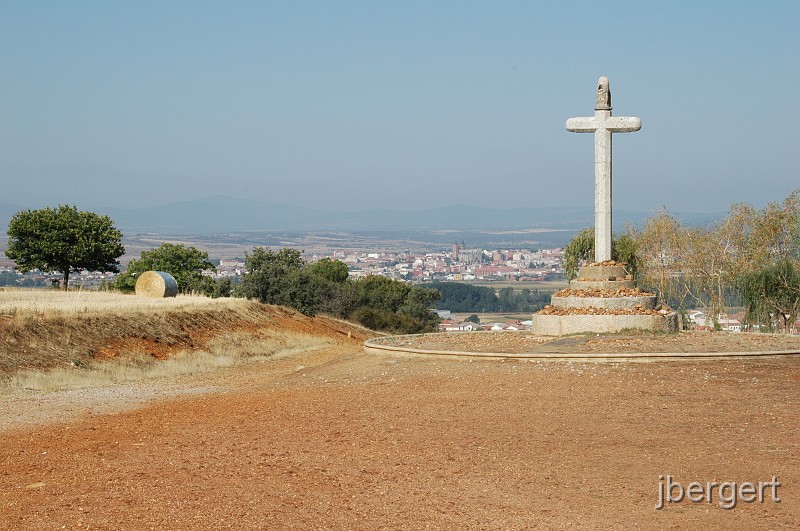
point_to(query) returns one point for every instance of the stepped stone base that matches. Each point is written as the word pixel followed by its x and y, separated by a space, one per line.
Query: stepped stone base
pixel 610 277
pixel 645 302
pixel 601 272
pixel 602 284
pixel 561 325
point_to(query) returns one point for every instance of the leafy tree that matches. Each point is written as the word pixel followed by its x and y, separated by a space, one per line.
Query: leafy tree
pixel 662 243
pixel 743 254
pixel 333 292
pixel 532 300
pixel 64 239
pixel 507 301
pixel 625 249
pixel 473 319
pixel 578 251
pixel 184 263
pixel 223 287
pixel 394 306
pixel 460 297
pixel 382 292
pixel 10 278
pixel 274 277
pixel 772 295
pixel 331 270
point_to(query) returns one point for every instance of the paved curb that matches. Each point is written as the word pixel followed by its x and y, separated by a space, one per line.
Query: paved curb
pixel 373 346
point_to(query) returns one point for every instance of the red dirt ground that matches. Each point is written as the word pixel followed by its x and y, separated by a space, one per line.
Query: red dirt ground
pixel 342 439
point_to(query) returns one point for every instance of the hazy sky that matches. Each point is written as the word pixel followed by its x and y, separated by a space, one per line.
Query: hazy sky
pixel 399 104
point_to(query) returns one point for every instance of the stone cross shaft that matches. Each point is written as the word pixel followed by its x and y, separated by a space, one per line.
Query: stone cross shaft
pixel 602 124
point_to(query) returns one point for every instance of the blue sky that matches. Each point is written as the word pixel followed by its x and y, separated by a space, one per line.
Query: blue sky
pixel 352 105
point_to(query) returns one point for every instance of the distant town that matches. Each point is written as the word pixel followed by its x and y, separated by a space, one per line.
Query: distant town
pixel 460 263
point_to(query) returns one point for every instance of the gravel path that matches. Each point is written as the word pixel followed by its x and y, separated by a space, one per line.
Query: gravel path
pixel 339 439
pixel 522 342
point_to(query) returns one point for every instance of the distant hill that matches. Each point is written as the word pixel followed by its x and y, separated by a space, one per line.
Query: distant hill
pixel 223 214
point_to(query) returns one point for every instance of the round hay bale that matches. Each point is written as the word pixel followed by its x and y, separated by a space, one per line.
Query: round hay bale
pixel 157 284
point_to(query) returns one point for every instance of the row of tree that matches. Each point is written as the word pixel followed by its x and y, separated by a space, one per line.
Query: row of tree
pixel 749 258
pixel 380 303
pixel 459 297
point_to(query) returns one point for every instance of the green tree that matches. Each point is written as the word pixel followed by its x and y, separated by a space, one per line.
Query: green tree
pixel 64 239
pixel 333 292
pixel 282 278
pixel 507 299
pixel 578 251
pixel 10 278
pixel 473 319
pixel 331 270
pixel 223 287
pixel 186 264
pixel 771 295
pixel 662 243
pixel 394 306
pixel 276 277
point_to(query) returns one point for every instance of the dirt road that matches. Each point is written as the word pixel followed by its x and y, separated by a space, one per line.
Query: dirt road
pixel 341 439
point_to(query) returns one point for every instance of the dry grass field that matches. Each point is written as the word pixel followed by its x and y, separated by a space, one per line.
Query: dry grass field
pixel 45 303
pixel 56 340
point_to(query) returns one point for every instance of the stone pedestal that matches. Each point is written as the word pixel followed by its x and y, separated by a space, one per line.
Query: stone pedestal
pixel 603 299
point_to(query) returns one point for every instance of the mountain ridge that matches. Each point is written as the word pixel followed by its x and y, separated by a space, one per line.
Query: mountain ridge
pixel 224 214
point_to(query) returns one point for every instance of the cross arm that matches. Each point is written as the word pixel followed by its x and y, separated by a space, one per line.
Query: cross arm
pixel 582 125
pixel 622 124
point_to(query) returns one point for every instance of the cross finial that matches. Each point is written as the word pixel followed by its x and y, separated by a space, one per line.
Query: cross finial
pixel 603 102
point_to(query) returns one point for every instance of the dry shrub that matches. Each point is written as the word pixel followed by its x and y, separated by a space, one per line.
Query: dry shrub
pixel 223 351
pixel 133 368
pixel 276 344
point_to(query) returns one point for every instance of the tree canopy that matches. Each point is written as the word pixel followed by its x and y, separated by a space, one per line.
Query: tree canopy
pixel 282 277
pixel 772 295
pixel 186 264
pixel 751 256
pixel 64 239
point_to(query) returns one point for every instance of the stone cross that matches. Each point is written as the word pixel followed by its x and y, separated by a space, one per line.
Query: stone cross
pixel 602 125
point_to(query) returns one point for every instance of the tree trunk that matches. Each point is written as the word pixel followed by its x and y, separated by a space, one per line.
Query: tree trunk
pixel 66 280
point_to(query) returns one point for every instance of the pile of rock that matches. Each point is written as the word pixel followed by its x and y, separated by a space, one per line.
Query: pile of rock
pixel 591 310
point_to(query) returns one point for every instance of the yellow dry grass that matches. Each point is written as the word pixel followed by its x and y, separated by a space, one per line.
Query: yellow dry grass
pixel 54 340
pixel 46 303
pixel 223 351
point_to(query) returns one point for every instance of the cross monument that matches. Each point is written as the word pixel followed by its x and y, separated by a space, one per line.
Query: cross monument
pixel 602 124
